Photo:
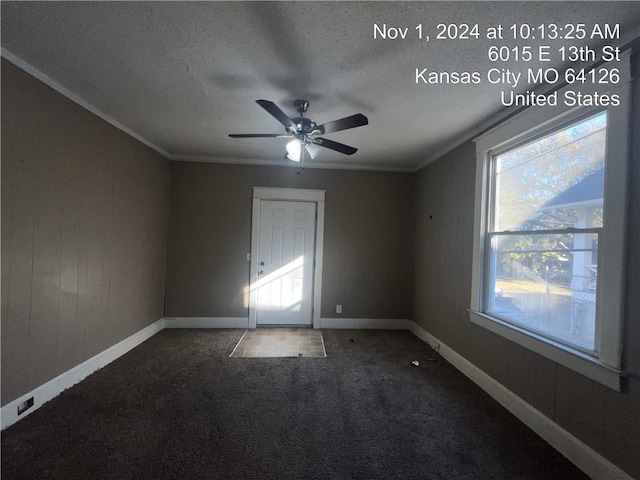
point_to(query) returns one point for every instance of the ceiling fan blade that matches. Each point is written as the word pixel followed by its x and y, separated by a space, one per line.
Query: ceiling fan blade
pixel 258 135
pixel 357 120
pixel 338 147
pixel 278 114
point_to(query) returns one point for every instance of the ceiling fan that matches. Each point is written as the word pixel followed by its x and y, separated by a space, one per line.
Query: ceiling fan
pixel 302 131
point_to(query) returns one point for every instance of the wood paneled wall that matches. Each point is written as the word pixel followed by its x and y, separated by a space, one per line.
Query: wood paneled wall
pixel 84 232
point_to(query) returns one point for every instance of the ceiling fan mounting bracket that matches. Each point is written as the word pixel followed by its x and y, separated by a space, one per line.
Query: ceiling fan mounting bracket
pixel 301 106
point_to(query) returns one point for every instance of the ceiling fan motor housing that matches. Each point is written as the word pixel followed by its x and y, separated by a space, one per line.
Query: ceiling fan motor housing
pixel 304 125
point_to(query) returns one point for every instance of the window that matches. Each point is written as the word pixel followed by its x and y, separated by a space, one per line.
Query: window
pixel 545 217
pixel 549 234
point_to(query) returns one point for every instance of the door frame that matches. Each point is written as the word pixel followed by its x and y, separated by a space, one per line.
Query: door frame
pixel 291 195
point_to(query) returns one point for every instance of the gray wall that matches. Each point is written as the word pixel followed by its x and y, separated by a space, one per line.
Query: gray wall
pixel 84 229
pixel 368 262
pixel 606 420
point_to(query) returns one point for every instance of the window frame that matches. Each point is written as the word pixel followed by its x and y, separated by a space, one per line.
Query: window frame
pixel 604 366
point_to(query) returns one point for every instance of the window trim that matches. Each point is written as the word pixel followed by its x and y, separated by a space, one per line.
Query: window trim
pixel 605 366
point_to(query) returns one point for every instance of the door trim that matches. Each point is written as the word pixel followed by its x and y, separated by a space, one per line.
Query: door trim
pixel 286 194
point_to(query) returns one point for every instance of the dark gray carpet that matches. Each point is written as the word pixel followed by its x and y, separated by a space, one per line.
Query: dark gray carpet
pixel 179 407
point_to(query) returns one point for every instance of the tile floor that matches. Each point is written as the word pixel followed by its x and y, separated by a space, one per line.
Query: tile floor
pixel 280 342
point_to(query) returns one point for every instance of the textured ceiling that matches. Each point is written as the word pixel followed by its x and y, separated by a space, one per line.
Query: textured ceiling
pixel 183 75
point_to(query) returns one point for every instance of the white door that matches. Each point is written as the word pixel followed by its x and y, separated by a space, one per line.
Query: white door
pixel 285 263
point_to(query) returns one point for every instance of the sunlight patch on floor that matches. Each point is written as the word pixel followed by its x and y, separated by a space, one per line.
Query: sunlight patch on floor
pixel 280 342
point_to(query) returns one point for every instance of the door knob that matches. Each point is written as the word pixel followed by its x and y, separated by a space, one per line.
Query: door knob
pixel 261 272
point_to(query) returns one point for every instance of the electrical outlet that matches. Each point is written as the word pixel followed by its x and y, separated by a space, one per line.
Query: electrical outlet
pixel 338 308
pixel 26 405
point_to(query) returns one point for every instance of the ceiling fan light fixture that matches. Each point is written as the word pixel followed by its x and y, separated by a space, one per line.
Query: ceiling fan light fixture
pixel 312 150
pixel 294 150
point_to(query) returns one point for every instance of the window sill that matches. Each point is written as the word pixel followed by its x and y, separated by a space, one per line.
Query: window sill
pixel 573 359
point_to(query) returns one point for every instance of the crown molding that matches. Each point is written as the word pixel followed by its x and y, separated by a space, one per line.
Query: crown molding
pixel 286 163
pixel 47 80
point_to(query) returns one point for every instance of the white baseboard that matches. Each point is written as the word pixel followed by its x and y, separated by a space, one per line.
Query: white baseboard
pixel 55 386
pixel 206 322
pixel 365 323
pixel 580 454
pixel 243 322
